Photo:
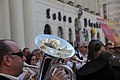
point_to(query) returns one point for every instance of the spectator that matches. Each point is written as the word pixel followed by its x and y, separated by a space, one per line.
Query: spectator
pixel 109 46
pixel 31 60
pixel 26 51
pixel 95 47
pixel 38 53
pixel 29 73
pixel 98 67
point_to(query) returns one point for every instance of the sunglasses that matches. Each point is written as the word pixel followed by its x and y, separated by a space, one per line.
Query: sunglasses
pixel 20 54
pixel 85 46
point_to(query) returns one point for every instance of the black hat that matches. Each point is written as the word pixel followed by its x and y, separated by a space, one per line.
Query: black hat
pixel 97 69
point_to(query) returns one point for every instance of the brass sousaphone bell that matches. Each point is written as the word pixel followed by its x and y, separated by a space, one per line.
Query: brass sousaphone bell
pixel 56 48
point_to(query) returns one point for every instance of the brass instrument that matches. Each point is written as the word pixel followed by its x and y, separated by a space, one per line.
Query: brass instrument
pixel 31 66
pixel 75 59
pixel 55 48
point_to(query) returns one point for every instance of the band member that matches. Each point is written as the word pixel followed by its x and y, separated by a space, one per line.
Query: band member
pixel 12 61
pixel 82 54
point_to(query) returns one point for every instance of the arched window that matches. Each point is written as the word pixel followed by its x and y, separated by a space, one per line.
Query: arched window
pixel 60 32
pixel 47 29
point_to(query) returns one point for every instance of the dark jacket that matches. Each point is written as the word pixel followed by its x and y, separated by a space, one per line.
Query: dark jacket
pixel 116 59
pixel 97 69
pixel 117 72
pixel 3 78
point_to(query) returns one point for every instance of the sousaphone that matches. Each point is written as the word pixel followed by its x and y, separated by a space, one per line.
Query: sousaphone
pixel 55 48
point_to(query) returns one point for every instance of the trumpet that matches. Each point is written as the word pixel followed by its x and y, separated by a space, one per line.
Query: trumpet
pixel 54 48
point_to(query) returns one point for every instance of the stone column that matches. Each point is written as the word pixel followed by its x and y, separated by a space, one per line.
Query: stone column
pixel 29 23
pixel 17 24
pixel 90 5
pixel 5 19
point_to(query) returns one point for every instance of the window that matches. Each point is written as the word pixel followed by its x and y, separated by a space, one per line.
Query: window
pixel 48 13
pixel 60 32
pixel 47 29
pixel 70 19
pixel 59 16
pixel 54 16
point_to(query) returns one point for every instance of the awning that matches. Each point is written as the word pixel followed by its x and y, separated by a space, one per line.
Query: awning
pixel 110 29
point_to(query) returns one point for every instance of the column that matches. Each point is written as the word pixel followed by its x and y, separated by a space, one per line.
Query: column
pixel 90 5
pixel 29 23
pixel 5 19
pixel 96 6
pixel 93 5
pixel 17 25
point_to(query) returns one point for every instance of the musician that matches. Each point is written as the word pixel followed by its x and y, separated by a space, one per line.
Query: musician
pixel 26 51
pixel 82 54
pixel 11 60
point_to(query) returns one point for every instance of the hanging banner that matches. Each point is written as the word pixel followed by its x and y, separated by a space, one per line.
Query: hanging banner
pixel 114 27
pixel 107 30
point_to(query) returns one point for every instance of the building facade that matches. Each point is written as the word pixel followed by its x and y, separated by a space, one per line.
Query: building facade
pixel 72 20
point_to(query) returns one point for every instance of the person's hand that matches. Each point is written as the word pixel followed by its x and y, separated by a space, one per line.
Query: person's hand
pixel 59 75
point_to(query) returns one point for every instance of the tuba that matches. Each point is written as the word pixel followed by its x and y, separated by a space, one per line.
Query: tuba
pixel 56 49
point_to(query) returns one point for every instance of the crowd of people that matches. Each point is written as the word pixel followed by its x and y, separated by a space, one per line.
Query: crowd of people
pixel 98 62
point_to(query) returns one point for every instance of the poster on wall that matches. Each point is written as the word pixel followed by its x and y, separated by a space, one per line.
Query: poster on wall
pixel 110 29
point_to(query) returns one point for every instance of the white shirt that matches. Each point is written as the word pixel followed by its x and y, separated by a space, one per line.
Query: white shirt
pixel 70 64
pixel 78 64
pixel 27 72
pixel 9 76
